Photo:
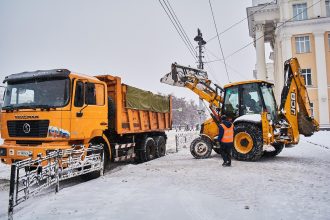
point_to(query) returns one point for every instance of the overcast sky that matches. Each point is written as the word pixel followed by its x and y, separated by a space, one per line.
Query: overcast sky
pixel 131 39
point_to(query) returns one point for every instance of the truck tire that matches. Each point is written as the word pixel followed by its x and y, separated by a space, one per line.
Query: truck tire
pixel 201 148
pixel 94 174
pixel 278 148
pixel 248 144
pixel 147 150
pixel 160 146
pixel 111 114
pixel 106 163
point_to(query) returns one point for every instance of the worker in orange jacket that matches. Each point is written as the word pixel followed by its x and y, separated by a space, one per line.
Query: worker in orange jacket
pixel 226 138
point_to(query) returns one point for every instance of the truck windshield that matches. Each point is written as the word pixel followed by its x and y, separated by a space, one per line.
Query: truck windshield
pixel 37 94
pixel 267 93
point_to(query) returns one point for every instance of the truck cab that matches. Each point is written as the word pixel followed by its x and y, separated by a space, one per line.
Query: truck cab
pixel 48 110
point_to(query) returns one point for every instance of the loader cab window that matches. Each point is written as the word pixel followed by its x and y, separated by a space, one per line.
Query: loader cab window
pixel 269 99
pixel 230 106
pixel 251 102
pixel 79 94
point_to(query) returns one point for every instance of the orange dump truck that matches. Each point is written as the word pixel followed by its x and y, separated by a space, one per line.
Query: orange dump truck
pixel 57 109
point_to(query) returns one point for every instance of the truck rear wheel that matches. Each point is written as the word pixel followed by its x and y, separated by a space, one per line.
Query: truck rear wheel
pixel 278 148
pixel 201 148
pixel 248 144
pixel 160 146
pixel 147 150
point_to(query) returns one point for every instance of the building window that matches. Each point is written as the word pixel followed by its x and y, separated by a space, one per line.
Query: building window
pixel 307 74
pixel 312 108
pixel 327 7
pixel 303 44
pixel 299 11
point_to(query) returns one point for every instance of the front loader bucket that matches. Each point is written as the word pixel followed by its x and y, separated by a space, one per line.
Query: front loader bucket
pixel 179 75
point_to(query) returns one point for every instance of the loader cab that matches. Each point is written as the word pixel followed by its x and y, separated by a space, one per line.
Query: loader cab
pixel 249 97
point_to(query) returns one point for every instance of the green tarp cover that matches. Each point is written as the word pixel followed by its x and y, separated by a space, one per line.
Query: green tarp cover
pixel 145 100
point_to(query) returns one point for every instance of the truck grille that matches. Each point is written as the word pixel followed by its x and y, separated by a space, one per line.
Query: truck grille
pixel 28 128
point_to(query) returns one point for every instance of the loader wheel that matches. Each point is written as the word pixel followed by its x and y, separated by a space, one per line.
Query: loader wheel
pixel 201 148
pixel 278 148
pixel 147 150
pixel 248 143
pixel 160 146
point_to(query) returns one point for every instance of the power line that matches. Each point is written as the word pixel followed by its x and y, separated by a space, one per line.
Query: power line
pixel 211 69
pixel 176 28
pixel 237 23
pixel 230 67
pixel 182 29
pixel 223 56
pixel 245 46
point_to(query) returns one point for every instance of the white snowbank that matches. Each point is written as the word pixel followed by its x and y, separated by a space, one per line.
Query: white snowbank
pixel 293 185
pixel 252 117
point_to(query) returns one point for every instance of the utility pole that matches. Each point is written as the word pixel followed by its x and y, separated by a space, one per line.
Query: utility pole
pixel 201 42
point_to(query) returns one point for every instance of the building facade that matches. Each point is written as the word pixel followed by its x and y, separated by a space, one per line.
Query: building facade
pixel 295 28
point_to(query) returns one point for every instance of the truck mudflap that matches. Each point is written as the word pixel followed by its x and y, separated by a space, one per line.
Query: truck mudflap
pixel 31 176
pixel 124 152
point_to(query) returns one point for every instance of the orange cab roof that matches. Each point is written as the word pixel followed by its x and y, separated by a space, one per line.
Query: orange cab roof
pixel 246 82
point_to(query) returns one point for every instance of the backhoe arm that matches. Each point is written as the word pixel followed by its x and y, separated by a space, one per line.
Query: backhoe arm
pixel 295 104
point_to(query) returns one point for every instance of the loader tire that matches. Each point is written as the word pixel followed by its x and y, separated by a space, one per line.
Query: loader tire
pixel 201 148
pixel 160 146
pixel 278 148
pixel 147 150
pixel 248 144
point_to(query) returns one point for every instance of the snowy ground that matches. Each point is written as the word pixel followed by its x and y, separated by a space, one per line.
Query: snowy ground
pixel 294 185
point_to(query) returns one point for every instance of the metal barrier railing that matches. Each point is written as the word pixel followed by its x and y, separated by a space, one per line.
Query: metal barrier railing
pixel 29 177
pixel 184 139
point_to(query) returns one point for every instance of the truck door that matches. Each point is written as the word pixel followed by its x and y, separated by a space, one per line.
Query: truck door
pixel 89 110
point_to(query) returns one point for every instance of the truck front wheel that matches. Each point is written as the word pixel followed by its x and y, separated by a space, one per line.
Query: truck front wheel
pixel 248 144
pixel 201 148
pixel 105 162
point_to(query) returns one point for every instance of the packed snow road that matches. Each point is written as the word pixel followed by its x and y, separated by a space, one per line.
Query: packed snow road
pixel 294 185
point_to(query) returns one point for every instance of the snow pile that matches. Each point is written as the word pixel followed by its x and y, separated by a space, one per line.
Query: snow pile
pixel 293 185
pixel 252 117
pixel 320 138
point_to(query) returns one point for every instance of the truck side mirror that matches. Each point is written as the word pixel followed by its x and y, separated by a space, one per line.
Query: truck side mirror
pixel 80 113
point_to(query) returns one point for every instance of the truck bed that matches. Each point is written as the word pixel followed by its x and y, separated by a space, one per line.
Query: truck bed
pixel 126 117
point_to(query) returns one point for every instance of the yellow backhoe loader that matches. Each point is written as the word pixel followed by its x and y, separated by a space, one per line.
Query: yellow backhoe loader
pixel 260 127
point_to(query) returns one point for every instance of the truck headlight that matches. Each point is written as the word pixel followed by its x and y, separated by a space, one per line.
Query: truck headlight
pixel 3 152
